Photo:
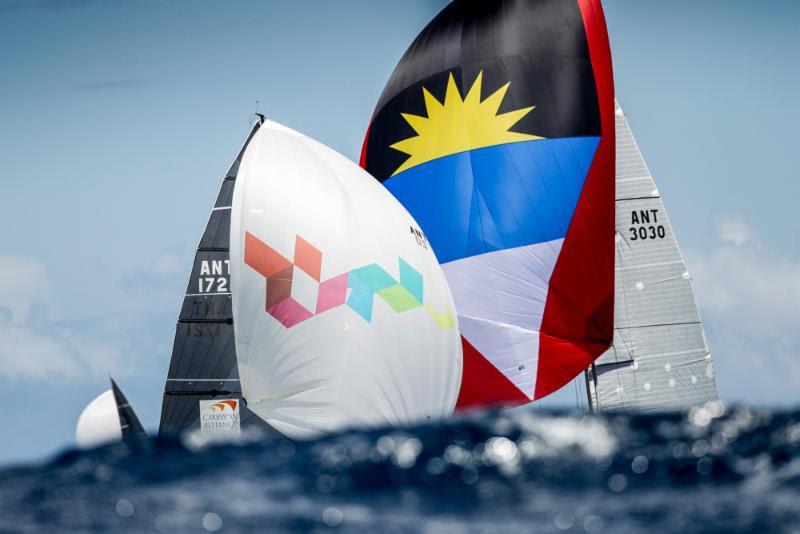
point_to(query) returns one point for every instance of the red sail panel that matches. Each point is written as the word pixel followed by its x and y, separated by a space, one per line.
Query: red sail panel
pixel 579 315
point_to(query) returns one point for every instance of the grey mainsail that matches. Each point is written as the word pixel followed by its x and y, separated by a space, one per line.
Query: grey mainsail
pixel 659 360
pixel 203 364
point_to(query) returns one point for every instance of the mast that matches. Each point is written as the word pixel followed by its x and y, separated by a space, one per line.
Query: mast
pixel 659 359
pixel 591 388
pixel 203 364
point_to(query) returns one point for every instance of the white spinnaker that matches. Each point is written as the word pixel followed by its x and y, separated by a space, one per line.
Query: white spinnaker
pixel 659 359
pixel 99 422
pixel 335 369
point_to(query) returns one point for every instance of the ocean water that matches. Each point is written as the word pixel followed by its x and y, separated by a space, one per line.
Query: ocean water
pixel 709 470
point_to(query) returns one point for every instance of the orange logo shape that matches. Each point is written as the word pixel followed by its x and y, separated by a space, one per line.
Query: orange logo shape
pixel 221 405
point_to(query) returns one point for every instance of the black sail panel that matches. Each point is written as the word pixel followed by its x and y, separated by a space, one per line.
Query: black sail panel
pixel 132 429
pixel 203 364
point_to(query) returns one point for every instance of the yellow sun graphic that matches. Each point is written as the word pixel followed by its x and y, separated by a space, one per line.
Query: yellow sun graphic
pixel 458 125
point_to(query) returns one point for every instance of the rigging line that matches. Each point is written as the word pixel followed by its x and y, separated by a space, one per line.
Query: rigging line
pixel 577 399
pixel 703 359
pixel 649 197
pixel 614 364
pixel 589 400
pixel 654 282
pixel 624 239
pixel 628 345
pixel 596 394
pixel 684 323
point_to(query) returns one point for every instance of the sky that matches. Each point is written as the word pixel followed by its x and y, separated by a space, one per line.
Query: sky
pixel 118 120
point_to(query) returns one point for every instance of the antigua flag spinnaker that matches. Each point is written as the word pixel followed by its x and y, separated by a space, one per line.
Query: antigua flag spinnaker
pixel 496 132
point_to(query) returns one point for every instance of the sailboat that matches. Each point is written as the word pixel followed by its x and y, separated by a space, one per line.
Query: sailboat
pixel 109 417
pixel 321 301
pixel 314 303
pixel 659 359
pixel 498 131
pixel 314 296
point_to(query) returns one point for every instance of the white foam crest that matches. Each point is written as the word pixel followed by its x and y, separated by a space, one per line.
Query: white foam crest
pixel 591 436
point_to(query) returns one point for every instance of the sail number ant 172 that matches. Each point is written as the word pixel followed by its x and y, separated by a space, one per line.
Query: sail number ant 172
pixel 644 225
pixel 214 276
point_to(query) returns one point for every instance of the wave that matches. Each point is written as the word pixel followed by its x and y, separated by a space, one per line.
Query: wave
pixel 521 470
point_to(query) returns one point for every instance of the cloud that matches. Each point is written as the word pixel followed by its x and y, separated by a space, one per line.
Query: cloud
pixel 23 281
pixel 734 229
pixel 169 265
pixel 32 347
pixel 749 296
pixel 167 271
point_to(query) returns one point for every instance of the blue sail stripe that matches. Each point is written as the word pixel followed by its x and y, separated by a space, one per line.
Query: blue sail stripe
pixel 496 197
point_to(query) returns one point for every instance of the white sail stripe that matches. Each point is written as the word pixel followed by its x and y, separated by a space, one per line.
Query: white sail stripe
pixel 221 208
pixel 513 301
pixel 207 294
pixel 501 324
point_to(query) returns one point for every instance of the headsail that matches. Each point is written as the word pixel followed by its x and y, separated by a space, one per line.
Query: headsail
pixel 109 417
pixel 496 132
pixel 99 422
pixel 342 314
pixel 659 360
pixel 203 365
pixel 132 429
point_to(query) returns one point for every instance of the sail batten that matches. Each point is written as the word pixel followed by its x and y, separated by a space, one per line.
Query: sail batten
pixel 659 359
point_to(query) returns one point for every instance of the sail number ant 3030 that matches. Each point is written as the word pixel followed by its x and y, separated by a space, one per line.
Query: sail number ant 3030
pixel 644 225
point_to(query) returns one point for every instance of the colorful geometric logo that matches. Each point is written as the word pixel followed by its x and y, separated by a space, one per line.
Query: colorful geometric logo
pixel 295 292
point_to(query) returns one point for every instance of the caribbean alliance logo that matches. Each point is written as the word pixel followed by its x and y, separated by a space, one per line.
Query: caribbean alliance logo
pixel 225 404
pixel 220 416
